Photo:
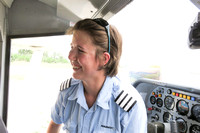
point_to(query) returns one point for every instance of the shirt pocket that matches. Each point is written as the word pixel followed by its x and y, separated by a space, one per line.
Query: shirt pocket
pixel 105 128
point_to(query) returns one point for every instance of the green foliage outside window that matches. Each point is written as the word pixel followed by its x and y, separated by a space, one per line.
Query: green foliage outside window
pixel 26 55
pixel 22 55
pixel 54 58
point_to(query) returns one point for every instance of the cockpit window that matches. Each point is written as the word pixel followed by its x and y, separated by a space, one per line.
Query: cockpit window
pixel 155 38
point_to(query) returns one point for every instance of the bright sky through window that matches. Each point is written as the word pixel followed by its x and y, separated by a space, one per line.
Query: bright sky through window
pixel 155 33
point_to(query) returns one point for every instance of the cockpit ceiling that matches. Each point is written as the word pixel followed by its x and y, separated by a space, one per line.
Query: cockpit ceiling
pixel 75 10
pixel 90 8
pixel 80 9
pixel 33 17
pixel 7 3
pixel 52 3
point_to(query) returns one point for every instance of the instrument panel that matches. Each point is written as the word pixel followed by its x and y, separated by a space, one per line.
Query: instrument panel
pixel 168 102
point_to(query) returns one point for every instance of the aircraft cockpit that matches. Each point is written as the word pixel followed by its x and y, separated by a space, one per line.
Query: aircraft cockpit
pixel 161 43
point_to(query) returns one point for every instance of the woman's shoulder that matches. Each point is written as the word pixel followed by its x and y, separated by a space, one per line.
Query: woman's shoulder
pixel 68 83
pixel 126 96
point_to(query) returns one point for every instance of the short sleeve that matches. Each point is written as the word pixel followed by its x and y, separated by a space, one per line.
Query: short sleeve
pixel 135 121
pixel 56 115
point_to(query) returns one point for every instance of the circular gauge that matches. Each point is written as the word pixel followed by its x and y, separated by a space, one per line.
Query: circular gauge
pixel 159 102
pixel 152 100
pixel 169 102
pixel 167 117
pixel 195 129
pixel 182 107
pixel 169 91
pixel 196 112
pixel 181 125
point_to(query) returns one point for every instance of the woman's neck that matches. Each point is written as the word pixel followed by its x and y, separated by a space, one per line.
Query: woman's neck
pixel 92 88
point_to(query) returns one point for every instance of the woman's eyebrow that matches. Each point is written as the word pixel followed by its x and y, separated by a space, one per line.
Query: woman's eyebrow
pixel 81 47
pixel 78 46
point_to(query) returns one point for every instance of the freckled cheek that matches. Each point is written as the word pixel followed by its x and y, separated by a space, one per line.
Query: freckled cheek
pixel 82 60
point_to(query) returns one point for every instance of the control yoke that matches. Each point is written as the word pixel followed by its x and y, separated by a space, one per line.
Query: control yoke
pixel 159 127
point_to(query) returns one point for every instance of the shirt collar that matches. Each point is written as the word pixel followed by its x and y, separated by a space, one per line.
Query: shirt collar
pixel 105 94
pixel 78 94
pixel 75 93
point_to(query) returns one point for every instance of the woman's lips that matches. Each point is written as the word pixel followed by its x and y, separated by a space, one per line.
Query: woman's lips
pixel 75 66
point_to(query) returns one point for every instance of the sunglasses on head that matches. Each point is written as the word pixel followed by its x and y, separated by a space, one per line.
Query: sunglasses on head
pixel 104 24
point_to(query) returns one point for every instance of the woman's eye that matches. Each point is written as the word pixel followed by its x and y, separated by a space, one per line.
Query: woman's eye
pixel 80 50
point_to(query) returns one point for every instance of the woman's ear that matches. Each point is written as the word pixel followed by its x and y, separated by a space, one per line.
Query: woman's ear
pixel 106 58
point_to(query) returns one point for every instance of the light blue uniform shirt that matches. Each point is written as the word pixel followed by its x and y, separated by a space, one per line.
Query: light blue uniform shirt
pixel 105 116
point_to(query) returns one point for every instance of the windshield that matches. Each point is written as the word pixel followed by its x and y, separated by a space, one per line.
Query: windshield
pixel 155 35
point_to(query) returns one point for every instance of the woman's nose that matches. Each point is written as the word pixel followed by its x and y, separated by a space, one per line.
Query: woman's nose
pixel 72 54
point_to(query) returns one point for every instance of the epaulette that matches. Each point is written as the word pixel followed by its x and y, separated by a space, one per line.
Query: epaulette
pixel 125 100
pixel 65 84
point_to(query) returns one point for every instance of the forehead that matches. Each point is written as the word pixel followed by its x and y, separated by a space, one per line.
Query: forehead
pixel 81 37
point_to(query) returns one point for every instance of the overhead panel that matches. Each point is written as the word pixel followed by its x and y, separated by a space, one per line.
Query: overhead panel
pixel 113 7
pixel 80 9
pixel 33 17
pixel 54 16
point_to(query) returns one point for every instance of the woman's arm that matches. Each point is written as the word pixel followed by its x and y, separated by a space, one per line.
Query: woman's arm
pixel 53 127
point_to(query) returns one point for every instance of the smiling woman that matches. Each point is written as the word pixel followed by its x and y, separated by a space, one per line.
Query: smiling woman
pixel 82 56
pixel 96 99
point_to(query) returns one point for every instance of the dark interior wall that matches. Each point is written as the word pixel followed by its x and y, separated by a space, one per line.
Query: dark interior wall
pixel 32 17
pixel 2 47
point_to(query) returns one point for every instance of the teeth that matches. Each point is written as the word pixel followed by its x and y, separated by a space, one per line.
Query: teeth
pixel 76 67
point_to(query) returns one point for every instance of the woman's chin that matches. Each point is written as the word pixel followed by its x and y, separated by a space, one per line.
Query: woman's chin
pixel 76 75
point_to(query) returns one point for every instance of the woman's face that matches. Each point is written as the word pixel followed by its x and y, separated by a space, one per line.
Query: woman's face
pixel 83 56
